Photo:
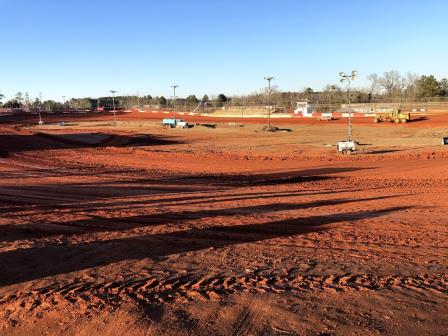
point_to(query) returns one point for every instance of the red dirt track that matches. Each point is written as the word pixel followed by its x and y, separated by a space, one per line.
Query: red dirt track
pixel 431 119
pixel 137 230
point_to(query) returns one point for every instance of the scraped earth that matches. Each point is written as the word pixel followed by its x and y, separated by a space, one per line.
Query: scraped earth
pixel 137 230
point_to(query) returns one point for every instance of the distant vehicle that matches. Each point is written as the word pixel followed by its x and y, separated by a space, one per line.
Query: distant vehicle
pixel 173 122
pixel 326 116
pixel 182 124
pixel 346 147
pixel 395 116
pixel 108 109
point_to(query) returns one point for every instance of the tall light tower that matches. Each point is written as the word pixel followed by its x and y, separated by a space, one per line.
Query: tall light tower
pixel 174 87
pixel 348 79
pixel 41 109
pixel 113 104
pixel 269 78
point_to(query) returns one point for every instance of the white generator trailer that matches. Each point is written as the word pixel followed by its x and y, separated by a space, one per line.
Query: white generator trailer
pixel 346 147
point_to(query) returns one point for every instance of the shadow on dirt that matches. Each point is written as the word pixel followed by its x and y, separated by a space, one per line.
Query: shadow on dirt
pixel 81 199
pixel 288 177
pixel 383 151
pixel 109 224
pixel 52 196
pixel 274 129
pixel 207 125
pixel 13 143
pixel 417 119
pixel 37 262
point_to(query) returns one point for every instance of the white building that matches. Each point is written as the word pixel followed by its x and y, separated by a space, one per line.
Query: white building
pixel 304 108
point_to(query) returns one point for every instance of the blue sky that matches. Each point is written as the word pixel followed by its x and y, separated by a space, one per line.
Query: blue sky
pixel 82 48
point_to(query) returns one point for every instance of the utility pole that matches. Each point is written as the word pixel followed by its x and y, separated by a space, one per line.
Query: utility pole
pixel 63 103
pixel 348 79
pixel 41 108
pixel 174 87
pixel 113 105
pixel 269 78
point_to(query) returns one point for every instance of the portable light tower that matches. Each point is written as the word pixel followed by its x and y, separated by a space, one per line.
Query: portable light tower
pixel 348 79
pixel 41 109
pixel 269 78
pixel 113 105
pixel 174 87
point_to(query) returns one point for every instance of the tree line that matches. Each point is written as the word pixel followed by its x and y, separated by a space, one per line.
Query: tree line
pixel 23 101
pixel 390 86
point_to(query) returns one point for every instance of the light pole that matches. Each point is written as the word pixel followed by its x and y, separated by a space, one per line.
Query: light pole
pixel 269 78
pixel 63 103
pixel 113 104
pixel 174 87
pixel 348 79
pixel 41 108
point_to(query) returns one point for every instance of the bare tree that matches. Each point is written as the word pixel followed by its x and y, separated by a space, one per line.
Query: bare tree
pixel 374 83
pixel 19 98
pixel 410 85
pixel 391 82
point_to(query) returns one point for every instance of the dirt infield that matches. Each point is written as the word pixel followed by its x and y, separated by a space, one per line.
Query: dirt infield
pixel 137 230
pixel 436 118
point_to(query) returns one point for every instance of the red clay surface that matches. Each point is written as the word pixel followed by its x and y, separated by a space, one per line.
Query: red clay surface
pixel 422 119
pixel 137 230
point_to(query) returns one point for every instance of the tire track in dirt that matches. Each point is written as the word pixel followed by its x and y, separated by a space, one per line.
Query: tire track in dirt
pixel 248 318
pixel 191 287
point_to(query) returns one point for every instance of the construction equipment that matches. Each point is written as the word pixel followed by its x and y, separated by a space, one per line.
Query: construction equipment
pixel 395 116
pixel 346 147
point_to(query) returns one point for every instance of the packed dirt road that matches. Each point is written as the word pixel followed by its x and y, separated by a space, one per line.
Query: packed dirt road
pixel 222 229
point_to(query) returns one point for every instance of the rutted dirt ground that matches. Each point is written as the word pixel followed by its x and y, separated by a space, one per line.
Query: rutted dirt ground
pixel 137 230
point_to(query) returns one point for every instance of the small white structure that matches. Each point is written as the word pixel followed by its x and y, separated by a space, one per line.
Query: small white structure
pixel 346 147
pixel 326 116
pixel 182 124
pixel 305 109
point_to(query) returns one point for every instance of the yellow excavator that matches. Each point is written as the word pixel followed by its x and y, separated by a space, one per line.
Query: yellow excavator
pixel 395 116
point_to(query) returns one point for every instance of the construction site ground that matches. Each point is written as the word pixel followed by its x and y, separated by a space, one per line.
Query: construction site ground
pixel 222 228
